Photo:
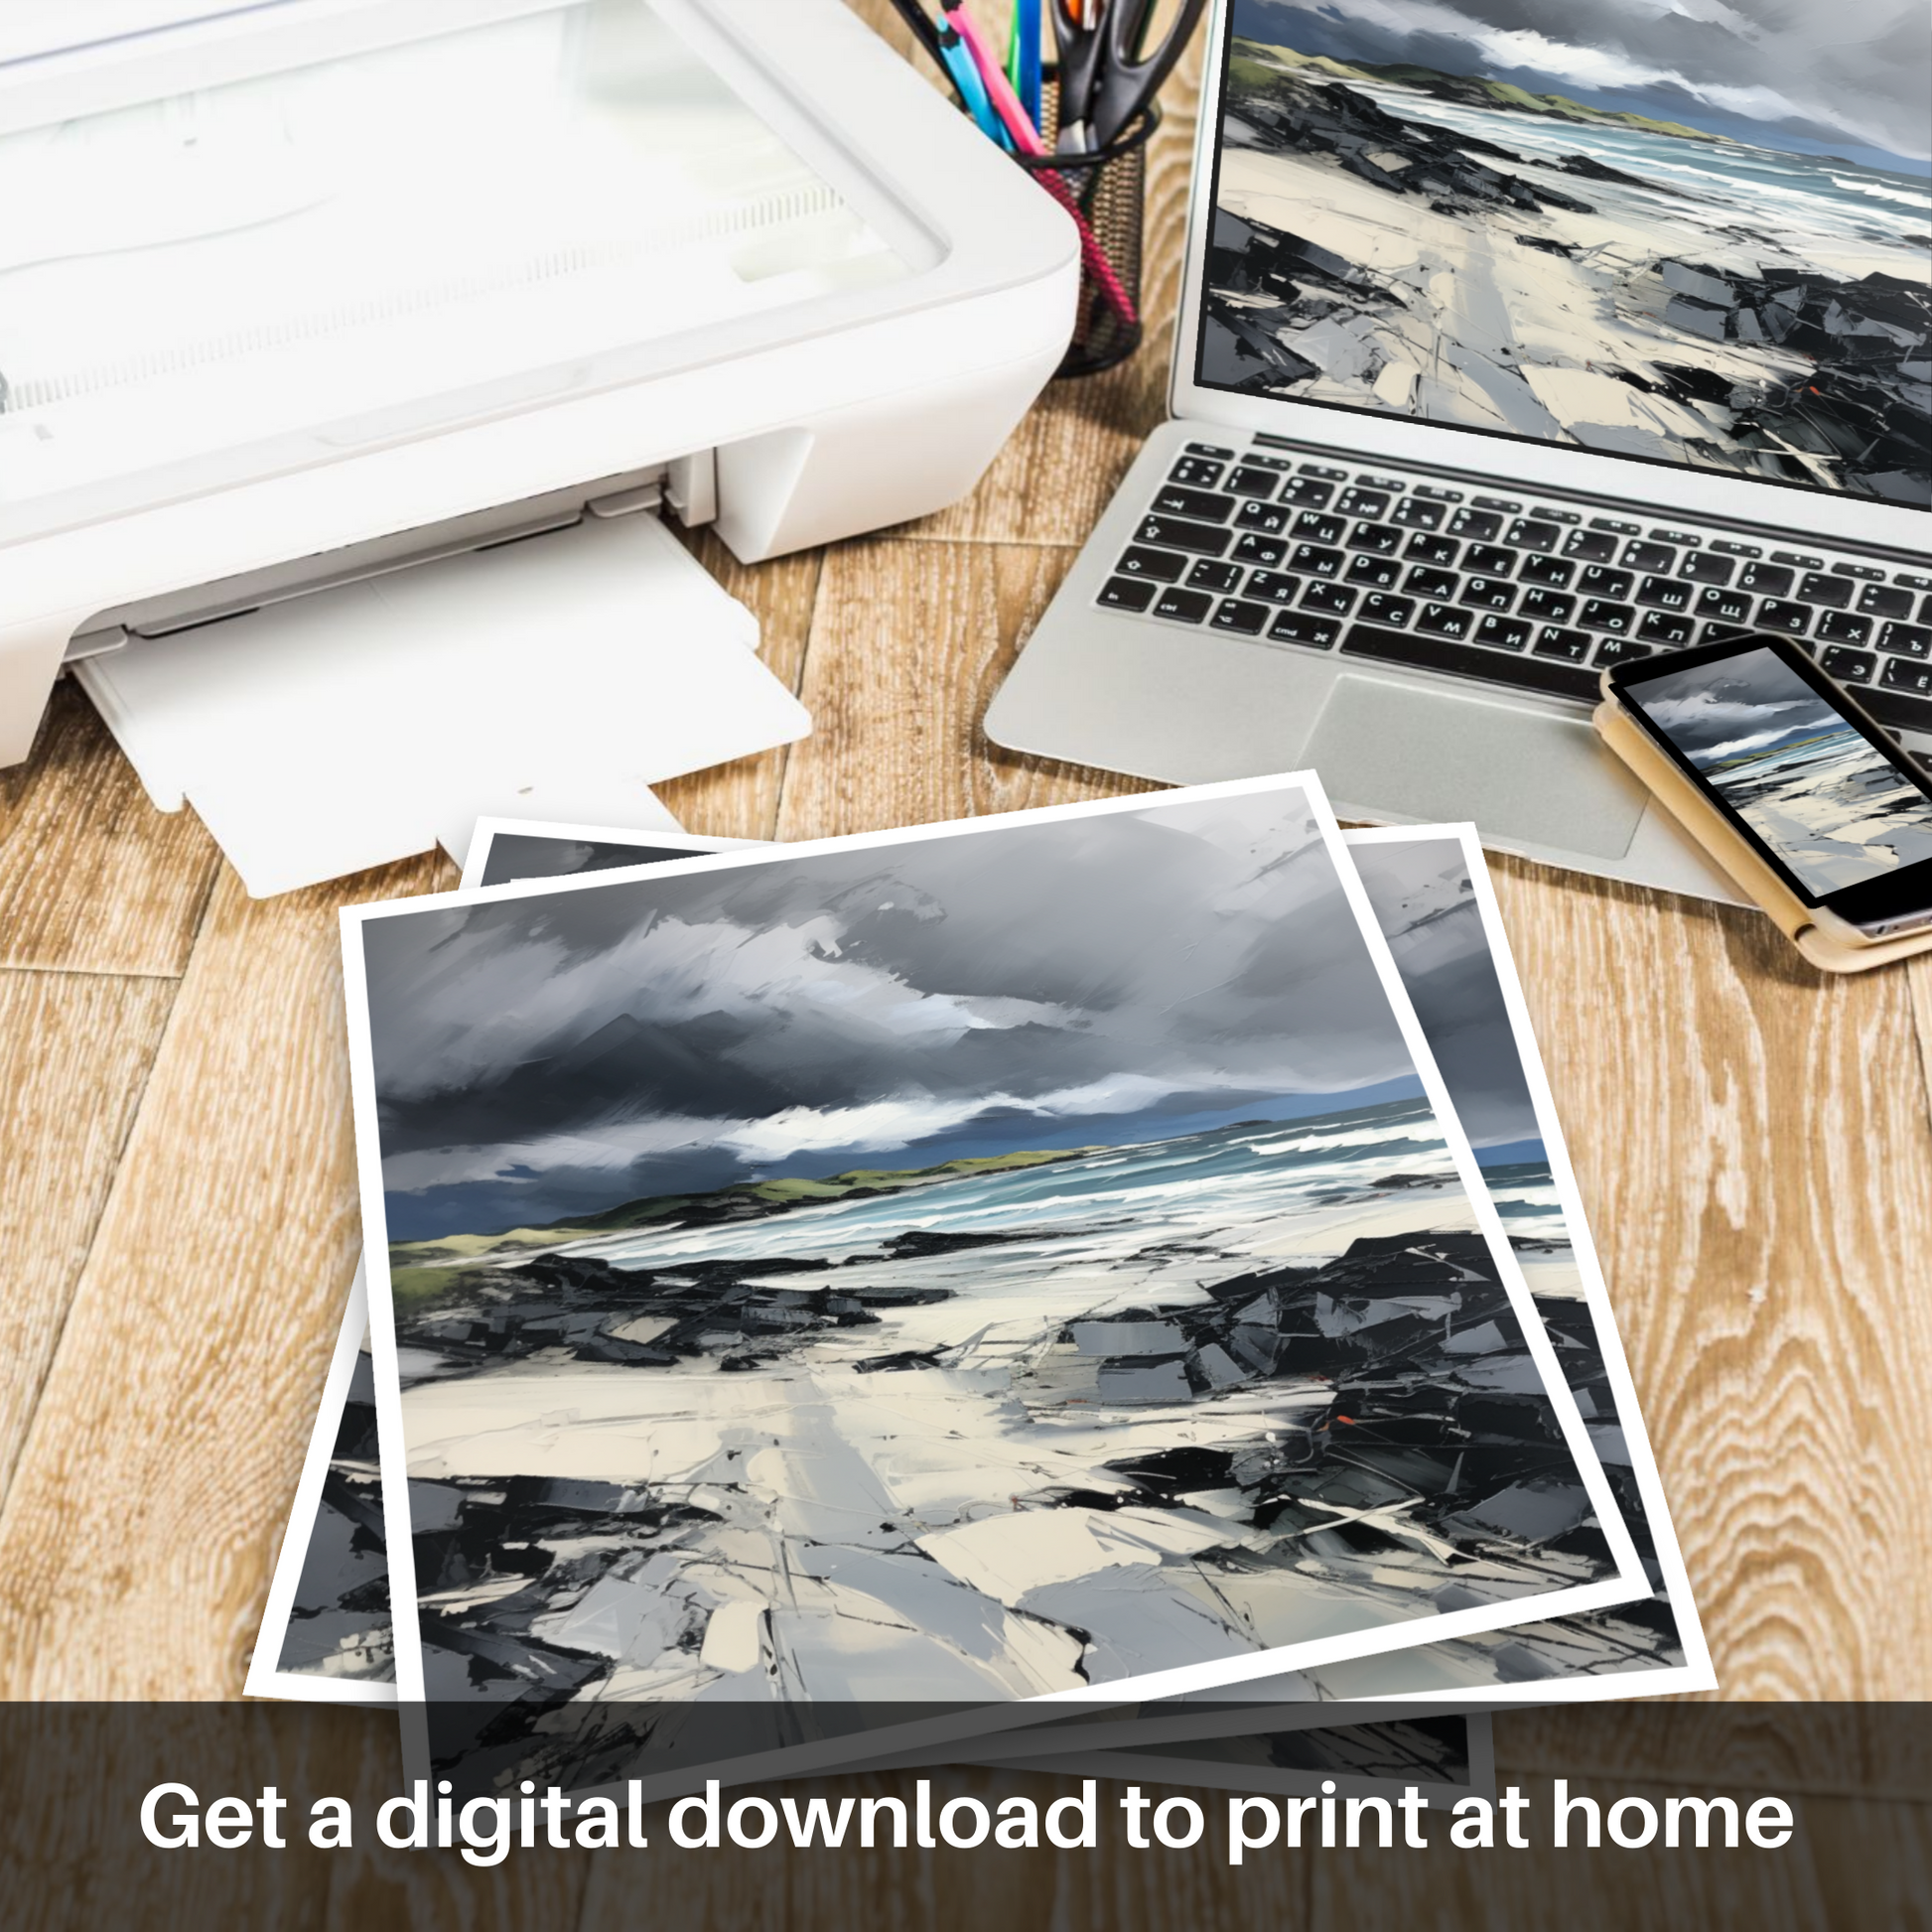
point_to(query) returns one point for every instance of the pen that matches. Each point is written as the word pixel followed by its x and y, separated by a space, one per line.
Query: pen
pixel 1026 138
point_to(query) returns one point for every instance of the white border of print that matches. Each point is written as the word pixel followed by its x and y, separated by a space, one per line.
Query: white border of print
pixel 265 1677
pixel 1628 1583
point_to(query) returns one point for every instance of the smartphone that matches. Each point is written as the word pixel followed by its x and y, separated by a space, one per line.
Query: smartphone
pixel 1826 798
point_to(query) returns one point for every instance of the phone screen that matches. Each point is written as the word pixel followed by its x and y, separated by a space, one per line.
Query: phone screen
pixel 1817 788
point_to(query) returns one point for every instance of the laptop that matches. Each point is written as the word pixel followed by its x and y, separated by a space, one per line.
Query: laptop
pixel 1516 340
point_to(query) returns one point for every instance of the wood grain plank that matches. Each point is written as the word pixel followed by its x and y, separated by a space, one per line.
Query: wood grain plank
pixel 137 1537
pixel 75 1055
pixel 1753 1149
pixel 909 642
pixel 92 878
pixel 740 800
pixel 1850 1865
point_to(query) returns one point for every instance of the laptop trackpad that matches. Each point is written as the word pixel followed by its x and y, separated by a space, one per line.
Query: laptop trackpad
pixel 1383 746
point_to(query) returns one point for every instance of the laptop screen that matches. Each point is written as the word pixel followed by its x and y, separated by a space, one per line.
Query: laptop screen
pixel 1686 234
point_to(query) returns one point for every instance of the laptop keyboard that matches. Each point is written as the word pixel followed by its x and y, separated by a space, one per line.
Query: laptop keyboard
pixel 1529 594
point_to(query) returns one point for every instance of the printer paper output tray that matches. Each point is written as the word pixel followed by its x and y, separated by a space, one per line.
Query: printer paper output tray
pixel 557 677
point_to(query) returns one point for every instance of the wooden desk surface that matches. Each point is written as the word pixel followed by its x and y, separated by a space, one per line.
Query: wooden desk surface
pixel 177 1212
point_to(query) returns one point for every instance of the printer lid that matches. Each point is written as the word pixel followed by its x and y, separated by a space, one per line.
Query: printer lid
pixel 244 239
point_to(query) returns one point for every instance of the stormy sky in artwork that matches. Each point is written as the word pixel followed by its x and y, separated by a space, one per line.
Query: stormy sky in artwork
pixel 1815 75
pixel 1095 980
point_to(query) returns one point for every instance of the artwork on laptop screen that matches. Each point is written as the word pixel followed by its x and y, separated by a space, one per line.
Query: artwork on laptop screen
pixel 1683 234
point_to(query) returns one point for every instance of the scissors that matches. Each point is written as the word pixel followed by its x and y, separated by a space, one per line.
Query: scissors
pixel 1107 76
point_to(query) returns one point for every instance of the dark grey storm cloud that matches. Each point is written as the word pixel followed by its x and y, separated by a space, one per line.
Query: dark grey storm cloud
pixel 1425 902
pixel 1753 703
pixel 1168 960
pixel 1853 71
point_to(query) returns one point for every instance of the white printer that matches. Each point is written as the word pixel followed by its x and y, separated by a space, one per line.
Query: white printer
pixel 298 296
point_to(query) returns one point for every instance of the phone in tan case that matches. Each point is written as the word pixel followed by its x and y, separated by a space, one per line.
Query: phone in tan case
pixel 1801 797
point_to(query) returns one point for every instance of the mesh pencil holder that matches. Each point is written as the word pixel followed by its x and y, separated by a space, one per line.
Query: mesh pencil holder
pixel 1105 192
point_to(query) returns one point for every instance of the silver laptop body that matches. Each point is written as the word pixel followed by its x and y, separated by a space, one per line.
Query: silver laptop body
pixel 1400 518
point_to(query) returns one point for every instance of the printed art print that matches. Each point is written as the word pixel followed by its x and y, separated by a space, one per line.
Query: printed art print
pixel 962 1261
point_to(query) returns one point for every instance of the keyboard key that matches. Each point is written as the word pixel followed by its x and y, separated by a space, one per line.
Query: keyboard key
pixel 1275 586
pixel 1196 472
pixel 1418 514
pixel 1529 533
pixel 1394 611
pixel 1840 628
pixel 1615 527
pixel 1432 550
pixel 1489 560
pixel 1878 600
pixel 1281 465
pixel 1234 613
pixel 1247 480
pixel 1480 525
pixel 1731 549
pixel 1590 546
pixel 1648 556
pixel 1437 584
pixel 1907 639
pixel 1487 594
pixel 1723 606
pixel 1780 613
pixel 1314 561
pixel 1554 641
pixel 1503 634
pixel 1306 492
pixel 1665 594
pixel 1699 567
pixel 1298 628
pixel 1436 653
pixel 1170 500
pixel 1599 582
pixel 1127 593
pixel 1207 575
pixel 1363 502
pixel 1321 469
pixel 1382 539
pixel 1831 593
pixel 1664 628
pixel 1551 571
pixel 1269 518
pixel 1900 674
pixel 1768 580
pixel 1312 527
pixel 1619 650
pixel 1253 549
pixel 1600 613
pixel 1503 503
pixel 1910 581
pixel 1161 565
pixel 1897 709
pixel 1925 611
pixel 1848 666
pixel 1797 560
pixel 1446 621
pixel 1547 607
pixel 1176 533
pixel 1379 573
pixel 1210 449
pixel 1184 607
pixel 1329 599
